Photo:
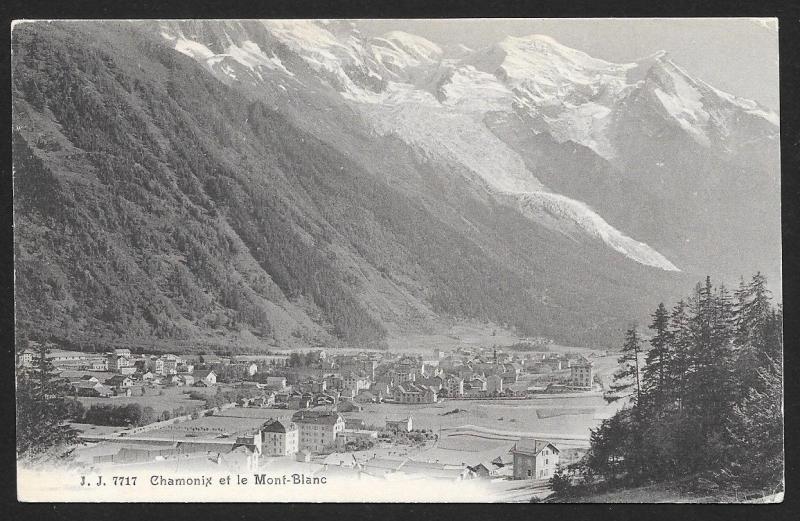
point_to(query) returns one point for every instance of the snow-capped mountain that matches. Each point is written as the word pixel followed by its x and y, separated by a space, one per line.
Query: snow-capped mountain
pixel 466 107
pixel 299 183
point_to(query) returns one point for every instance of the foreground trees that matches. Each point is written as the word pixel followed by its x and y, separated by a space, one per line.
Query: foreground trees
pixel 708 399
pixel 43 410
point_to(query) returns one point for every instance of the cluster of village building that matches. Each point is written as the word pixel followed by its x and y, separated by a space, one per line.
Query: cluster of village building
pixel 362 378
pixel 527 459
pixel 119 371
pixel 320 386
pixel 461 374
pixel 308 439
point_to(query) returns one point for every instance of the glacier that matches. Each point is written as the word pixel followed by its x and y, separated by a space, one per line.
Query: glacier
pixel 437 101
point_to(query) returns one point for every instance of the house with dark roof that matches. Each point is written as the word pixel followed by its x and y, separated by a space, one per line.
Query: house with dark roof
pixel 205 377
pixel 484 469
pixel 93 389
pixel 279 438
pixel 119 381
pixel 410 392
pixel 534 459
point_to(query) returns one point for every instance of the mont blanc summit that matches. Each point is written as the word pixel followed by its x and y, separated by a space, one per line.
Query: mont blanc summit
pixel 465 106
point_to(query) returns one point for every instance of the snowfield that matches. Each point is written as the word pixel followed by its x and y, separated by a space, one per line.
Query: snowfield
pixel 437 100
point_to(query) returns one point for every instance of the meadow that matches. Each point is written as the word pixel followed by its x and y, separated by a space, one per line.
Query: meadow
pixel 573 415
pixel 163 399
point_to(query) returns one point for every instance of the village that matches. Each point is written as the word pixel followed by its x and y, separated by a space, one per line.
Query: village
pixel 508 415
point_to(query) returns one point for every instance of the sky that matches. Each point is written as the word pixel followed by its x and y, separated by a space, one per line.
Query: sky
pixel 736 55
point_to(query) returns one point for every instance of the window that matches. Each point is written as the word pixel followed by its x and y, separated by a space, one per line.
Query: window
pixel 529 472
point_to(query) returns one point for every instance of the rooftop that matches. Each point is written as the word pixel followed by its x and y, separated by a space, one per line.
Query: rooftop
pixel 318 417
pixel 274 425
pixel 532 446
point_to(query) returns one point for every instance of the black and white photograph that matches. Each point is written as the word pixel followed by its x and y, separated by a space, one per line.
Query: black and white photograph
pixel 496 260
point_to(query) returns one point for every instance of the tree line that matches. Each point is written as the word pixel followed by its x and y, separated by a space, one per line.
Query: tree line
pixel 703 398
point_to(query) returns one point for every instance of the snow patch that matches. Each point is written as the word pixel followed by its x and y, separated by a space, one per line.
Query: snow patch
pixel 251 56
pixel 196 50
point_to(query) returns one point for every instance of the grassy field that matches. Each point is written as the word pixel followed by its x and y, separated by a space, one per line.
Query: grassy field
pixel 169 399
pixel 556 414
pixel 235 420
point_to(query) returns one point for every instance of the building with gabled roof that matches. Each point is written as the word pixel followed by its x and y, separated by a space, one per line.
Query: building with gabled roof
pixel 92 389
pixel 534 459
pixel 119 381
pixel 410 392
pixel 205 376
pixel 483 469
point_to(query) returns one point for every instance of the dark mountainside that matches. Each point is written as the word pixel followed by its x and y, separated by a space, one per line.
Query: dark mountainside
pixel 155 204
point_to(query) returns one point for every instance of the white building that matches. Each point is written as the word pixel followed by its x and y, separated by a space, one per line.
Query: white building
pixel 318 429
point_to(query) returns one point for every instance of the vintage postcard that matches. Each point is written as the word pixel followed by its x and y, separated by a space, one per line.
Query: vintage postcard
pixel 467 260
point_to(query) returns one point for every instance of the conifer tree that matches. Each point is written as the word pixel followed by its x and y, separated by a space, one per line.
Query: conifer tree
pixel 656 378
pixel 43 411
pixel 680 363
pixel 711 396
pixel 758 339
pixel 754 309
pixel 755 428
pixel 626 381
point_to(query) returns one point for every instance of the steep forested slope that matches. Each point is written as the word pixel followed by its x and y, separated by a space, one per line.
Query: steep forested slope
pixel 154 203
